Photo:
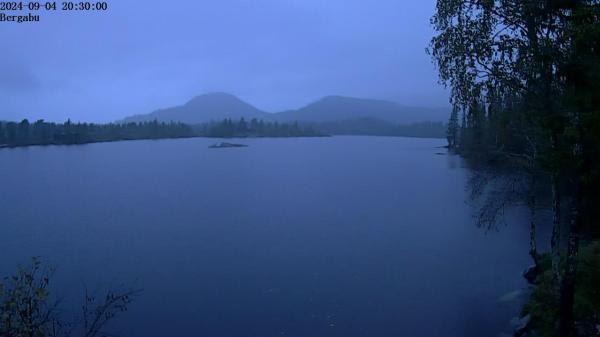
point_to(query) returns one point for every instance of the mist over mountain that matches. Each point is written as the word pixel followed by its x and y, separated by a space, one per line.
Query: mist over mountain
pixel 219 106
pixel 204 108
pixel 335 108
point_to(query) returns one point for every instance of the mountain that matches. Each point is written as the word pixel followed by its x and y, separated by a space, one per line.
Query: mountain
pixel 204 108
pixel 218 106
pixel 336 108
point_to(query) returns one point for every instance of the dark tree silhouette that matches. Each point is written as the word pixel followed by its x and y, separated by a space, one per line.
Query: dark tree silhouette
pixel 526 77
pixel 44 133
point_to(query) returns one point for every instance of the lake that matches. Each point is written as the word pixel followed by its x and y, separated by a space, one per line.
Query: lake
pixel 298 237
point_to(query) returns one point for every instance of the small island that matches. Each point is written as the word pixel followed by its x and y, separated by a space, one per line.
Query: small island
pixel 222 145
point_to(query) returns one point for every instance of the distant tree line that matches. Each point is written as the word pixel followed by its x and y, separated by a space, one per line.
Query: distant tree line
pixel 25 133
pixel 359 126
pixel 44 133
pixel 378 127
pixel 254 128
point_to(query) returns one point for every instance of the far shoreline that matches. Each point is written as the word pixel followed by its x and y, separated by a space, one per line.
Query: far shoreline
pixel 6 146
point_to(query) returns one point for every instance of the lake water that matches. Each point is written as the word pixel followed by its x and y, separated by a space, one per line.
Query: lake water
pixel 340 236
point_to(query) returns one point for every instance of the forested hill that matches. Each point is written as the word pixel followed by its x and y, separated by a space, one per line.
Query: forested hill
pixel 340 108
pixel 377 127
pixel 218 106
pixel 203 109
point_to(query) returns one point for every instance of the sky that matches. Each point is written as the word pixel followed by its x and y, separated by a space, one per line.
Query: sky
pixel 140 56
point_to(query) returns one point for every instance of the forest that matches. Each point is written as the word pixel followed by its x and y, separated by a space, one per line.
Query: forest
pixel 228 128
pixel 377 127
pixel 524 78
pixel 24 133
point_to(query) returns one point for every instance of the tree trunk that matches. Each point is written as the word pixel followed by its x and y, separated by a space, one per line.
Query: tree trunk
pixel 567 291
pixel 532 228
pixel 555 239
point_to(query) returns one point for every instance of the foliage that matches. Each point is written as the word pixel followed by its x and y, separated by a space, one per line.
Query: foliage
pixel 27 310
pixel 587 296
pixel 526 77
pixel 24 307
pixel 543 303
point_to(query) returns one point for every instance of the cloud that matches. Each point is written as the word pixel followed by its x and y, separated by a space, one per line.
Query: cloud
pixel 277 54
pixel 16 78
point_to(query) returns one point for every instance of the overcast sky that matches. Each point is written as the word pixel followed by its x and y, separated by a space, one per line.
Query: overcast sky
pixel 275 54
